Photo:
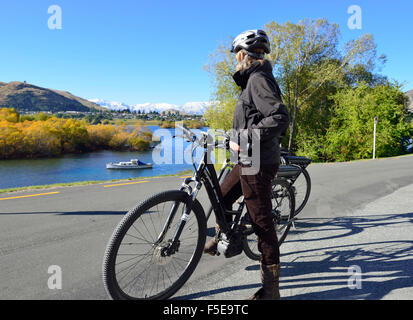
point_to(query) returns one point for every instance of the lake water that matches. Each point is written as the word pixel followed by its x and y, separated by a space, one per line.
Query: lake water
pixel 92 166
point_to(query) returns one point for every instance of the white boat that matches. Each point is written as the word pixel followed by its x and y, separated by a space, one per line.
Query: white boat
pixel 133 164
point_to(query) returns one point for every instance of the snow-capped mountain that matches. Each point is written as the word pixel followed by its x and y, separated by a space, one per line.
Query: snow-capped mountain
pixel 197 108
pixel 110 105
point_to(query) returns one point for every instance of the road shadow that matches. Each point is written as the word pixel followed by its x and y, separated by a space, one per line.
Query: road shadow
pixel 385 266
pixel 326 272
pixel 345 226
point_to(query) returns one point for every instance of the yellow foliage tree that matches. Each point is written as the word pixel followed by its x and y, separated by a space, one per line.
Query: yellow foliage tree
pixel 20 137
pixel 9 114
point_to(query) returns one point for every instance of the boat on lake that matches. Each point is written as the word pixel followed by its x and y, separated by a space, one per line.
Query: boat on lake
pixel 133 164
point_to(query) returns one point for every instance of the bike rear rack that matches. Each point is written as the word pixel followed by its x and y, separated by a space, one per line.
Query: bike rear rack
pixel 288 172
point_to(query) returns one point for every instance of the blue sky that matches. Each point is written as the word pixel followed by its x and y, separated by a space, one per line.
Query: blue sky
pixel 137 51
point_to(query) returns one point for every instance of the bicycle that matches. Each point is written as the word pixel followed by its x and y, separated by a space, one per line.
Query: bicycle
pixel 158 244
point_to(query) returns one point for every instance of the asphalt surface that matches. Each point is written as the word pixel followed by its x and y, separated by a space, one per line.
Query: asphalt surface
pixel 352 241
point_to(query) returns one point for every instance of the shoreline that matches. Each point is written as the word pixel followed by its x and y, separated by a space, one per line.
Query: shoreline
pixel 189 171
pixel 84 183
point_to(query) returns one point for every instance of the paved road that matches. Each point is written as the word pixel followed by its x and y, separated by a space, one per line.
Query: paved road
pixel 353 240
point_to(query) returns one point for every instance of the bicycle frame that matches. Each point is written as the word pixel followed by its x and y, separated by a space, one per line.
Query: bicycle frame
pixel 205 174
pixel 227 164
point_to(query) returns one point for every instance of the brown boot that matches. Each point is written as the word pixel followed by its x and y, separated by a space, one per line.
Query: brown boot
pixel 270 277
pixel 212 245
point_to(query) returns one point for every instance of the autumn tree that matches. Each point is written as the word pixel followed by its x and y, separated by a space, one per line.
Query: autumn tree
pixel 9 114
pixel 24 138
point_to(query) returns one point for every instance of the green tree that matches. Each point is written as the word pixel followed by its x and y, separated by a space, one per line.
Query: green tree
pixel 350 134
pixel 221 67
pixel 309 65
pixel 307 58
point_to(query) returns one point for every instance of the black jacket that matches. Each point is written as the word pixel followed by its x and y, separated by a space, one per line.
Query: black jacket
pixel 260 107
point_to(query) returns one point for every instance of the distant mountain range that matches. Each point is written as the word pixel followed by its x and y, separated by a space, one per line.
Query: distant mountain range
pixel 27 97
pixel 197 108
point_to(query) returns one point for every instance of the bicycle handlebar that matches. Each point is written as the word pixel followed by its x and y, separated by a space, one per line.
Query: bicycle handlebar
pixel 188 135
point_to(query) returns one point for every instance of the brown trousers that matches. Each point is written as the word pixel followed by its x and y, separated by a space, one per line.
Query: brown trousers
pixel 257 195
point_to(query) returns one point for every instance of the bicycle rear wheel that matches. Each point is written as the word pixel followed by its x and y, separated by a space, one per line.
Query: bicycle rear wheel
pixel 283 208
pixel 302 190
pixel 135 264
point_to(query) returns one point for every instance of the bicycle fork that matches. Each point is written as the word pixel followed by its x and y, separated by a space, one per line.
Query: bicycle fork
pixel 173 244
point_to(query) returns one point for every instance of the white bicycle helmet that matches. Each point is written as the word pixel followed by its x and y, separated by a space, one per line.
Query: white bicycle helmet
pixel 250 40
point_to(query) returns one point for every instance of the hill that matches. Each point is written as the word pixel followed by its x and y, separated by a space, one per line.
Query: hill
pixel 27 97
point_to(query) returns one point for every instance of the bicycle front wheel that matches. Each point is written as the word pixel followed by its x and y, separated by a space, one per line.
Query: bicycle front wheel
pixel 136 265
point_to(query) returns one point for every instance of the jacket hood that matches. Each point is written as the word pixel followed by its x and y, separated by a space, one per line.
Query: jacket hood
pixel 241 77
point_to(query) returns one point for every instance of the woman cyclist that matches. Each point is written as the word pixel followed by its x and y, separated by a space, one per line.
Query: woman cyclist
pixel 259 117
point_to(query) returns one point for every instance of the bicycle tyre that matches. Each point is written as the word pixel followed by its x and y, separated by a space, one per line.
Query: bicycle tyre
pixel 109 263
pixel 300 206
